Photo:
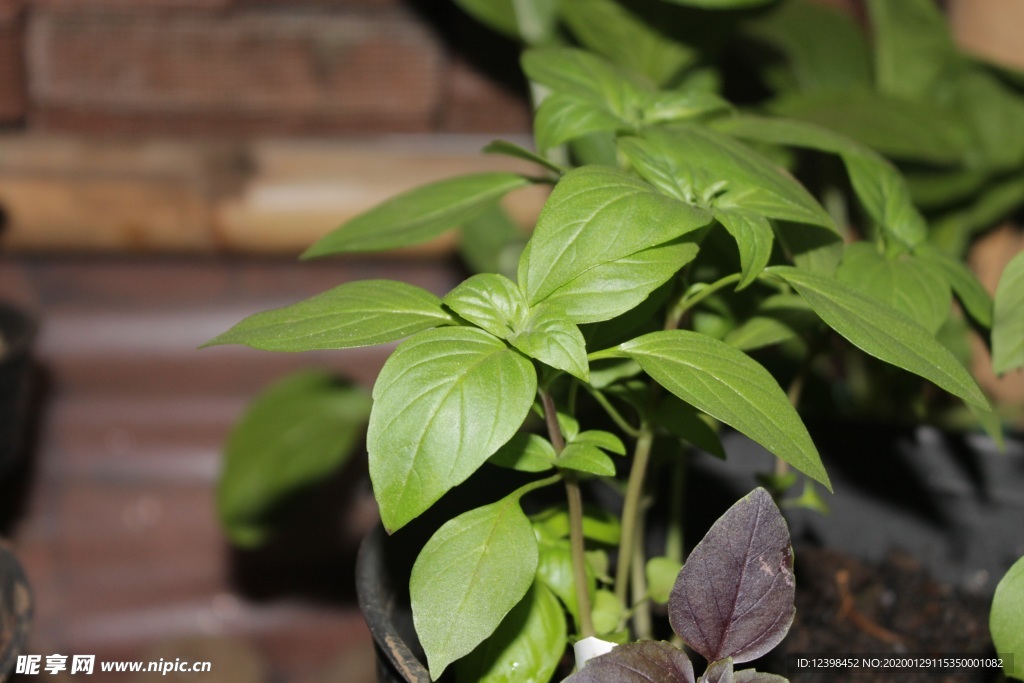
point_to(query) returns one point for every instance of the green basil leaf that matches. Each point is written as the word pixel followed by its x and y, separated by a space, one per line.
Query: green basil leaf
pixel 355 314
pixel 606 612
pixel 511 149
pixel 754 236
pixel 499 15
pixel 548 335
pixel 682 104
pixel 571 71
pixel 995 117
pixel 1008 320
pixel 952 232
pixel 700 166
pixel 1007 619
pixel 444 402
pixel 525 452
pixel 599 525
pixel 418 215
pixel 532 21
pixel 879 186
pixel 603 440
pixel 728 385
pixel 489 301
pixel 824 48
pixel 619 286
pixel 610 29
pixel 563 117
pixel 968 289
pixel 596 241
pixel 555 571
pixel 905 283
pixel 583 457
pixel 661 577
pixel 913 47
pixel 527 646
pixel 778 318
pixel 895 127
pixel 882 332
pixel 492 242
pixel 682 420
pixel 469 575
pixel 292 435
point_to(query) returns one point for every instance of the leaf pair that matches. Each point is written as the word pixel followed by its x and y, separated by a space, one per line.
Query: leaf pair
pixel 543 331
pixel 732 602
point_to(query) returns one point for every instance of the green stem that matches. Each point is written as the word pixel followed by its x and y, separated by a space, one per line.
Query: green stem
pixel 642 624
pixel 631 510
pixel 686 303
pixel 613 413
pixel 575 499
pixel 674 544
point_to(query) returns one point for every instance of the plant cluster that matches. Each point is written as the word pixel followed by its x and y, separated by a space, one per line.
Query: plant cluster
pixel 673 245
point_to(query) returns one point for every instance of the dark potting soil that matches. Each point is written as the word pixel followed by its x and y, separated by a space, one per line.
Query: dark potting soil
pixel 848 609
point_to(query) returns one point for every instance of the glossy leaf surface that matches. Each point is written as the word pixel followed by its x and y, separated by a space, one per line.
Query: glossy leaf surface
pixel 734 596
pixel 601 241
pixel 526 453
pixel 489 301
pixel 883 332
pixel 878 184
pixel 730 386
pixel 754 237
pixel 910 286
pixel 469 575
pixel 445 401
pixel 550 336
pixel 526 647
pixel 361 313
pixel 418 215
pixel 698 165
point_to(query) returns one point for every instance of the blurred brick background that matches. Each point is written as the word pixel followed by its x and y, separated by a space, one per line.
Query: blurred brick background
pixel 236 67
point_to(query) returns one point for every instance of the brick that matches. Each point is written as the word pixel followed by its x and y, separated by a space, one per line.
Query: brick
pixel 134 196
pixel 13 99
pixel 235 73
pixel 134 5
pixel 476 103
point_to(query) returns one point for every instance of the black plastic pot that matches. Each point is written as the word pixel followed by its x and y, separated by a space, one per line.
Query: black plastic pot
pixel 15 610
pixel 17 330
pixel 382 582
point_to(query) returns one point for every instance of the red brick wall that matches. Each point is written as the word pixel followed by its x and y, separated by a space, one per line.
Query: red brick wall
pixel 12 82
pixel 242 67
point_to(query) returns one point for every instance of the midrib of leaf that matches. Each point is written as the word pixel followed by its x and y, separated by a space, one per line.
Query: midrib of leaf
pixel 703 376
pixel 855 319
pixel 435 409
pixel 582 224
pixel 505 507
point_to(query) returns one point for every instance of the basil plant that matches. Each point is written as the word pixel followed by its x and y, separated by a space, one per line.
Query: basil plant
pixel 586 363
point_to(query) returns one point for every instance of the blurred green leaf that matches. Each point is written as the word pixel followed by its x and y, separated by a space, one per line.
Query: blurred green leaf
pixel 1007 619
pixel 294 434
pixel 361 313
pixel 1008 320
pixel 418 215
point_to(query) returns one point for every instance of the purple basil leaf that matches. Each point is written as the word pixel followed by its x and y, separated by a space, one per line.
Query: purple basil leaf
pixel 643 662
pixel 719 672
pixel 752 676
pixel 734 596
